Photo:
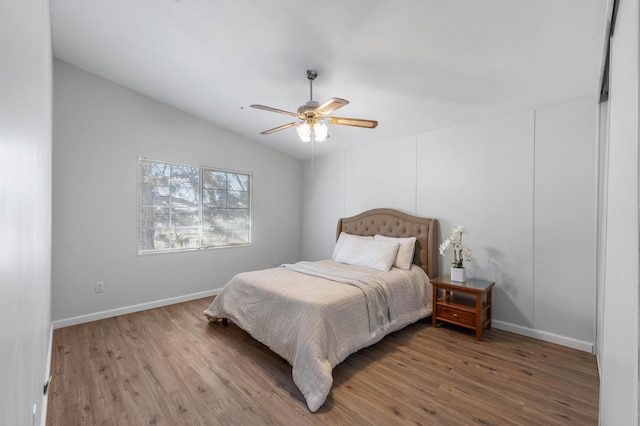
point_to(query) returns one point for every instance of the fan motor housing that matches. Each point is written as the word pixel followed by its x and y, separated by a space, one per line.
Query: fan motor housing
pixel 308 108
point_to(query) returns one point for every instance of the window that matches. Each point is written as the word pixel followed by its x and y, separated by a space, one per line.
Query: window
pixel 185 208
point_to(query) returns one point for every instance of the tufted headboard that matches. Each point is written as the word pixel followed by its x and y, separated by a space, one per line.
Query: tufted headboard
pixel 393 223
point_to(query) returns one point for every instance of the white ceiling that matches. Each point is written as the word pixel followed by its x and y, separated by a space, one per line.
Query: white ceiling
pixel 413 65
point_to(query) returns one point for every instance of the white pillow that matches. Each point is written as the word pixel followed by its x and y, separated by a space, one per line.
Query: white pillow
pixel 404 259
pixel 342 238
pixel 378 255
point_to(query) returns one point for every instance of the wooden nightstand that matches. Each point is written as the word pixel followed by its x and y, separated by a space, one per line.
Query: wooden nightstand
pixel 466 304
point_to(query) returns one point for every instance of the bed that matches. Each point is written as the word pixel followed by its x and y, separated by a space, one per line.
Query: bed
pixel 315 314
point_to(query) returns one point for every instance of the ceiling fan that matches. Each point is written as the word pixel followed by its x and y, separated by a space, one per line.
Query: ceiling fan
pixel 314 117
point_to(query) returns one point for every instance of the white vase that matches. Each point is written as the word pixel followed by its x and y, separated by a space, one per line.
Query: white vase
pixel 458 274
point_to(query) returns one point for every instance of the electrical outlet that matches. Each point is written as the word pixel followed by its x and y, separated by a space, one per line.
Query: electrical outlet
pixel 100 287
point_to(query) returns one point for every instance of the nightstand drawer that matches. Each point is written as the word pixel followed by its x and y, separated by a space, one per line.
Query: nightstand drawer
pixel 456 315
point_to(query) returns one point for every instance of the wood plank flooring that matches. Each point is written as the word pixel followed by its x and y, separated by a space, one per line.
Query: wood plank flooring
pixel 168 366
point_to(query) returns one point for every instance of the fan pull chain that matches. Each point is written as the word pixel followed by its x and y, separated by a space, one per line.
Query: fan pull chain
pixel 313 136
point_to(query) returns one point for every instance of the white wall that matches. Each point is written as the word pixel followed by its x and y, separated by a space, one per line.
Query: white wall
pixel 481 176
pixel 25 208
pixel 323 204
pixel 100 130
pixel 619 347
pixel 565 220
pixel 525 187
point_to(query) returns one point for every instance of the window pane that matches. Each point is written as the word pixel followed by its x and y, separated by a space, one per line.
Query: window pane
pixel 186 237
pixel 184 216
pixel 156 225
pixel 214 179
pixel 161 191
pixel 185 185
pixel 214 198
pixel 213 238
pixel 238 182
pixel 159 170
pixel 237 200
pixel 146 229
pixel 238 227
pixel 214 227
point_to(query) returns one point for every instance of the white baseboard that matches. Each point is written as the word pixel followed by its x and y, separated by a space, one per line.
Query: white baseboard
pixel 544 335
pixel 81 319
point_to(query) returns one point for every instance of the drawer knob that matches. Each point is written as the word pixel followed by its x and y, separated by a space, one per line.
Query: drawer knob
pixel 455 315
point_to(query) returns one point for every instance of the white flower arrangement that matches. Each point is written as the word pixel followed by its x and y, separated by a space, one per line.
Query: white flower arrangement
pixel 461 252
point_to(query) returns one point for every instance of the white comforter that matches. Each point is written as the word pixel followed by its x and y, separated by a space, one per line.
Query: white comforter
pixel 315 323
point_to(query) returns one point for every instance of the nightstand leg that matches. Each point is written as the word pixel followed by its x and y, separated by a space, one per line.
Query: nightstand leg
pixel 489 305
pixel 479 317
pixel 434 301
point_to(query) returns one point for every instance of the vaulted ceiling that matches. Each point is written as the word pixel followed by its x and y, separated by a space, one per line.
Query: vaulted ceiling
pixel 413 65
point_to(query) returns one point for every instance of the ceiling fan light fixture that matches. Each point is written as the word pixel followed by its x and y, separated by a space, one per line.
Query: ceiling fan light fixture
pixel 320 131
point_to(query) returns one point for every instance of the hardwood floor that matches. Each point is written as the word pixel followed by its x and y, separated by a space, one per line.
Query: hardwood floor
pixel 168 366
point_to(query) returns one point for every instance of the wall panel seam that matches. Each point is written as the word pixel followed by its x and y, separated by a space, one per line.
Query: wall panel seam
pixel 533 227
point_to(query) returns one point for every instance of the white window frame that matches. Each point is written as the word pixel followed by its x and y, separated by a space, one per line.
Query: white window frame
pixel 200 238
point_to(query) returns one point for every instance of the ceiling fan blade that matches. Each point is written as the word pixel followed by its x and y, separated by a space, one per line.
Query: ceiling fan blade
pixel 277 129
pixel 266 108
pixel 330 106
pixel 356 122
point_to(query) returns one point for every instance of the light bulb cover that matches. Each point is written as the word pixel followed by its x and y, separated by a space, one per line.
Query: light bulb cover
pixel 320 131
pixel 304 131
